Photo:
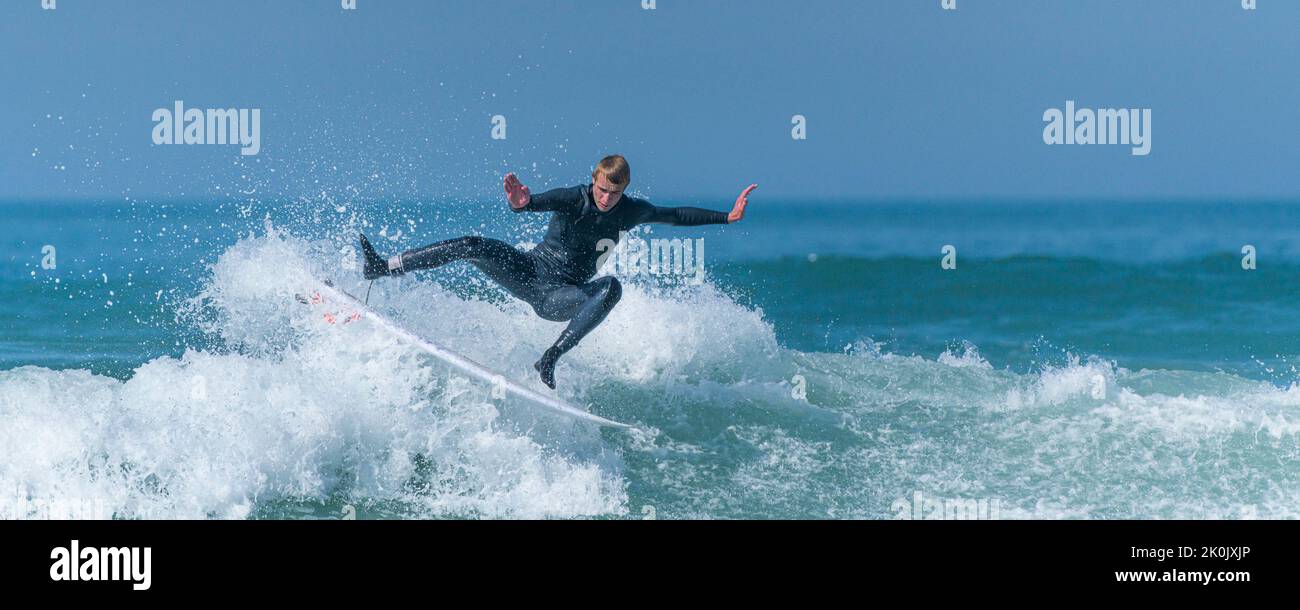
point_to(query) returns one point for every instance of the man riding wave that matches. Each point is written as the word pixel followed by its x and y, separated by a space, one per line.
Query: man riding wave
pixel 555 277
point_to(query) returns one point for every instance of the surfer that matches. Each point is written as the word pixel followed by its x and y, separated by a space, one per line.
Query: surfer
pixel 555 277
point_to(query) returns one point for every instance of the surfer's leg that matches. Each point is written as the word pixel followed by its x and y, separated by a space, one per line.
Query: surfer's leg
pixel 506 265
pixel 585 307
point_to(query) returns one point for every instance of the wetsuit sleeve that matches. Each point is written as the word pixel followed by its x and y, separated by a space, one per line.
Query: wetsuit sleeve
pixel 553 200
pixel 682 217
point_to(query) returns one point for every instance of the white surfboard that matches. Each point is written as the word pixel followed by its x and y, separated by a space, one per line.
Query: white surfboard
pixel 353 309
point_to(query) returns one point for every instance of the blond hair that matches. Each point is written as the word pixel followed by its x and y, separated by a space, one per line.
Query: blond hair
pixel 614 168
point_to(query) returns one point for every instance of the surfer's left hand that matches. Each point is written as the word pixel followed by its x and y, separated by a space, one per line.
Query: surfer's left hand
pixel 738 211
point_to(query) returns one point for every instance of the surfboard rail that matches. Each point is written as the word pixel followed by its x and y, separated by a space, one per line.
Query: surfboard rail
pixel 458 361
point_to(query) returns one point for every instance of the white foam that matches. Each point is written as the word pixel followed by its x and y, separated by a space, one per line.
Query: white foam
pixel 279 407
pixel 1057 385
pixel 969 358
pixel 299 409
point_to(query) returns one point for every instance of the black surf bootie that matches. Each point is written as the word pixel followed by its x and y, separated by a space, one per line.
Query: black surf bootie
pixel 546 366
pixel 375 265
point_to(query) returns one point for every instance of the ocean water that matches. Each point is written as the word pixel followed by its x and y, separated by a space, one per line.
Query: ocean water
pixel 1084 360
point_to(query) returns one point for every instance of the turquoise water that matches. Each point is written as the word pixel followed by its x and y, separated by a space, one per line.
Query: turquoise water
pixel 1084 360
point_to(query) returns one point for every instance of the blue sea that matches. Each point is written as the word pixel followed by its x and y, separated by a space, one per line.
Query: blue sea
pixel 1083 360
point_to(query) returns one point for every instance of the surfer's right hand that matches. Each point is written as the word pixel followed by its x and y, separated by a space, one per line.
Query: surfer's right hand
pixel 516 192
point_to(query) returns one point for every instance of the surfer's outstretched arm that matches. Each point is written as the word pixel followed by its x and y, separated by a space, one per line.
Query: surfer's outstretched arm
pixel 690 217
pixel 522 200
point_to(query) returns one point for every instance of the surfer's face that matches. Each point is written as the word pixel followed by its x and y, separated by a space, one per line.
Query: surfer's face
pixel 606 193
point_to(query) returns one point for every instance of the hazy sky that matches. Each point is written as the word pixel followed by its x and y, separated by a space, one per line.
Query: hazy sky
pixel 903 98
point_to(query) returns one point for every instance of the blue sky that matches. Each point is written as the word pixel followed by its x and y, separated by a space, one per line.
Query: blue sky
pixel 903 99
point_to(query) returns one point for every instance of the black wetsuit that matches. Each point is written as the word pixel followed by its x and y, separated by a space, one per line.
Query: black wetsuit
pixel 554 277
